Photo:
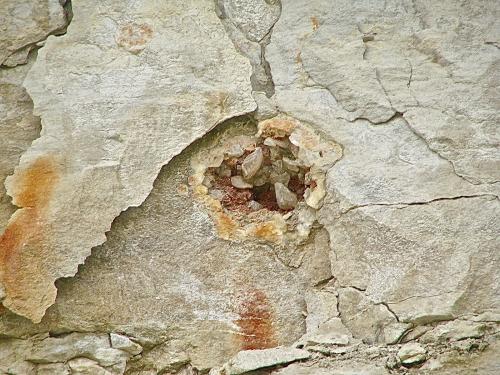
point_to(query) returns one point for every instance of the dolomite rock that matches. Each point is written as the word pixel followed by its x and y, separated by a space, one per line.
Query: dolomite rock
pixel 352 367
pixel 63 369
pixel 211 296
pixel 124 343
pixel 392 252
pixel 254 18
pixel 85 366
pixel 406 232
pixel 106 108
pixel 25 23
pixel 18 128
pixel 411 353
pixel 250 360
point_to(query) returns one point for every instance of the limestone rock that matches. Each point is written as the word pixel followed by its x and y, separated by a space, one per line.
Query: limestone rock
pixel 367 321
pixel 85 366
pixel 321 307
pixel 250 360
pixel 102 118
pixel 13 355
pixel 330 333
pixel 214 297
pixel 382 117
pixel 163 358
pixel 441 77
pixel 61 369
pixel 124 343
pixel 254 18
pixel 95 347
pixel 25 23
pixel 454 331
pixel 391 251
pixel 412 353
pixel 350 367
pixel 18 128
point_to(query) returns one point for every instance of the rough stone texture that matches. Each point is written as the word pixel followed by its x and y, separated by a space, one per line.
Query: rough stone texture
pixel 18 128
pixel 250 360
pixel 106 111
pixel 394 252
pixel 391 268
pixel 25 23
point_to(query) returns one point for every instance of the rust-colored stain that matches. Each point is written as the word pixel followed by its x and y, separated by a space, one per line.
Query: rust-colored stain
pixel 134 37
pixel 268 200
pixel 297 186
pixel 315 23
pixel 277 127
pixel 267 231
pixel 234 199
pixel 226 227
pixel 255 321
pixel 298 58
pixel 18 267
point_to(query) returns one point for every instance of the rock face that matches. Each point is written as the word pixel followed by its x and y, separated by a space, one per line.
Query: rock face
pixel 18 128
pixel 113 114
pixel 233 186
pixel 24 23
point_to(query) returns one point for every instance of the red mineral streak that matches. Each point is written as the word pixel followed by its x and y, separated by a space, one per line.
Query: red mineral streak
pixel 256 321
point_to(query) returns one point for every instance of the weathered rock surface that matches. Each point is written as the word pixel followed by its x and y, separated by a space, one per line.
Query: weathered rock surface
pixel 25 23
pixel 18 128
pixel 381 119
pixel 411 353
pixel 424 261
pixel 250 360
pixel 113 114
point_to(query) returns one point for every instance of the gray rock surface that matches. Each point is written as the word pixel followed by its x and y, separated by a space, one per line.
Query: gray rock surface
pixel 380 118
pixel 250 360
pixel 411 353
pixel 25 23
pixel 105 110
pixel 18 128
